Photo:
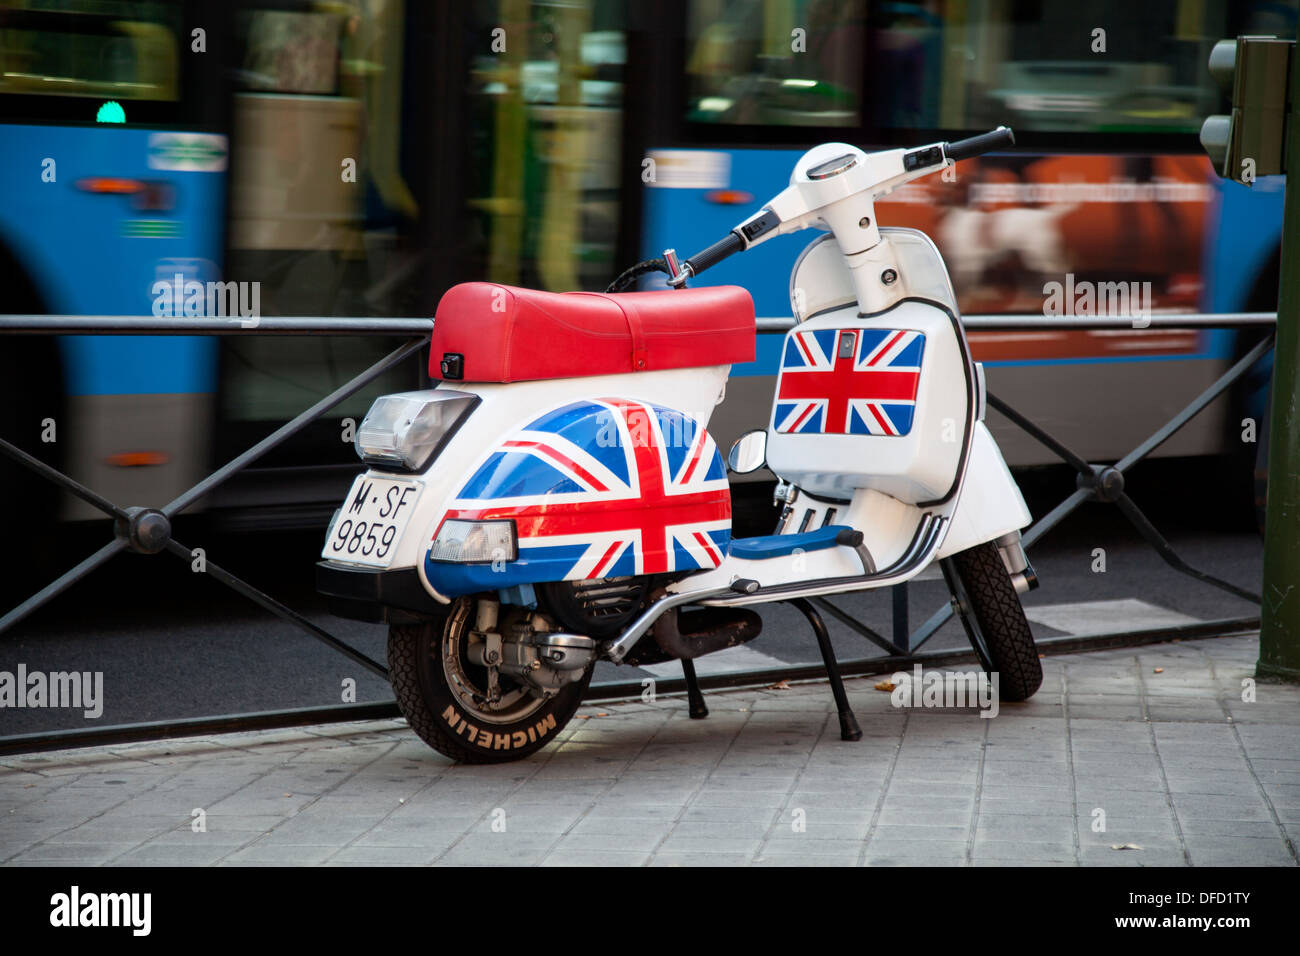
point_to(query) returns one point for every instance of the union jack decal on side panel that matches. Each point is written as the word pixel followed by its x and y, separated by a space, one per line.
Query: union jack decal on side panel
pixel 599 489
pixel 849 382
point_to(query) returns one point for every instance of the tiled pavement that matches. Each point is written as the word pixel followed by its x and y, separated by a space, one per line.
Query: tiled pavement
pixel 1157 742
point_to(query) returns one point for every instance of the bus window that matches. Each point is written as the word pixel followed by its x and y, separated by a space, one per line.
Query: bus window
pixel 775 62
pixel 881 68
pixel 100 48
pixel 1110 67
pixel 322 220
pixel 545 122
pixel 291 51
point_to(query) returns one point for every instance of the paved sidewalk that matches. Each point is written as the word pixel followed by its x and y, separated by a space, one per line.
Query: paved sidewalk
pixel 1155 740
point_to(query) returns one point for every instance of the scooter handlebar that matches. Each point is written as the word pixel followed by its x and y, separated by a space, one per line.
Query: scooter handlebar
pixel 766 221
pixel 977 145
pixel 715 253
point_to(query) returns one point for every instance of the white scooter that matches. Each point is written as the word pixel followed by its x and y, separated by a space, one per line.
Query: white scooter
pixel 557 500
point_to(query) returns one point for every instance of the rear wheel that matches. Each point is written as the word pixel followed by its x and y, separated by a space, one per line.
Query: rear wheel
pixel 995 622
pixel 449 700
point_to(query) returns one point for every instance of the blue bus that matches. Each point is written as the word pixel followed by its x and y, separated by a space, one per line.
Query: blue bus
pixel 149 146
pixel 350 158
pixel 1108 184
pixel 359 157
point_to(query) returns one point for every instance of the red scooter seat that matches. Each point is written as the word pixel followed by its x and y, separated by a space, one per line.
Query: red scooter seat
pixel 484 332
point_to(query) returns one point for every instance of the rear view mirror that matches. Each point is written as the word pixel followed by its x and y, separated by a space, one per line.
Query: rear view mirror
pixel 749 453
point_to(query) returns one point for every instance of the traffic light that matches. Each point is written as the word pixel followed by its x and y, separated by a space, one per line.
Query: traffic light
pixel 1249 143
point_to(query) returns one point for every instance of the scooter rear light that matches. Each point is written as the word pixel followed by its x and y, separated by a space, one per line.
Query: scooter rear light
pixel 474 542
pixel 406 430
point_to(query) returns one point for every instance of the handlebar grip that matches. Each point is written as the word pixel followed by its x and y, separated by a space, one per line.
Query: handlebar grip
pixel 983 143
pixel 715 253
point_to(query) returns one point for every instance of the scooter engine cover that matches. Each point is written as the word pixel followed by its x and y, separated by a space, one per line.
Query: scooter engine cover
pixel 879 402
pixel 596 488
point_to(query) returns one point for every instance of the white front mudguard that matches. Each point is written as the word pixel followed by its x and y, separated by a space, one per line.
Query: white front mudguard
pixel 990 504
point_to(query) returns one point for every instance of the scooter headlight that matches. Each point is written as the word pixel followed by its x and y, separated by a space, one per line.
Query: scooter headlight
pixel 474 542
pixel 405 431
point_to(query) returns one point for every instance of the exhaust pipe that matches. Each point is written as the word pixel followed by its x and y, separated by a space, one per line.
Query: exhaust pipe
pixel 692 634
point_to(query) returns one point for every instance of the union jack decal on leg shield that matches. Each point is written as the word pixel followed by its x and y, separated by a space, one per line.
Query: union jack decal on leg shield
pixel 849 382
pixel 597 489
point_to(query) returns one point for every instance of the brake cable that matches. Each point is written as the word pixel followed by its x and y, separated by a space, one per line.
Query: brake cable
pixel 628 276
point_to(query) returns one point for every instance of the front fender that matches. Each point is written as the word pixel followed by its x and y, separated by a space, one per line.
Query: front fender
pixel 990 504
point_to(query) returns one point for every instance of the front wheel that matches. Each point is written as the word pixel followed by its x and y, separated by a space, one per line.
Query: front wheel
pixel 995 622
pixel 451 703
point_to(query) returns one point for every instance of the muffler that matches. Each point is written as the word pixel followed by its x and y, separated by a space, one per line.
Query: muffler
pixel 692 634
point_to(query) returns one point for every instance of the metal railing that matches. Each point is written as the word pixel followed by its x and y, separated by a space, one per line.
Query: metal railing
pixel 148 530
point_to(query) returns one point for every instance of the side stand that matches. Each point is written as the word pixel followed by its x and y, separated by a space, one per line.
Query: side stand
pixel 849 729
pixel 694 696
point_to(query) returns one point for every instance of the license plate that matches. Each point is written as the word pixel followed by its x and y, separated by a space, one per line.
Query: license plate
pixel 369 526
